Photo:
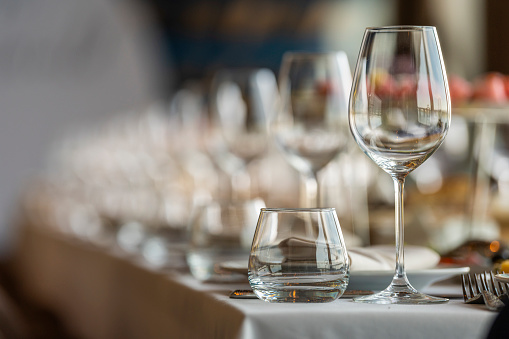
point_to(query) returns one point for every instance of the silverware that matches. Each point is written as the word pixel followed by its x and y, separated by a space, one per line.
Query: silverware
pixel 490 294
pixel 249 294
pixel 243 294
pixel 484 289
pixel 471 291
pixel 498 288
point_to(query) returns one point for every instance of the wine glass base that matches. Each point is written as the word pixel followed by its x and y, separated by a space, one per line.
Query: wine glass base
pixel 400 294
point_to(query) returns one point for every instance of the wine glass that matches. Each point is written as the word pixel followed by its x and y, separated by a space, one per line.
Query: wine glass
pixel 242 100
pixel 399 115
pixel 310 128
pixel 221 231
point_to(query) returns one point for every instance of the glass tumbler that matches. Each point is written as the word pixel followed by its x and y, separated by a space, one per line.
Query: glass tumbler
pixel 298 255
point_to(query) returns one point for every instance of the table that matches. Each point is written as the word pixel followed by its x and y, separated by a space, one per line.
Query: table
pixel 103 293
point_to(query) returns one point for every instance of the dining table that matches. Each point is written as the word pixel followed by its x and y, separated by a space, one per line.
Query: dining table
pixel 101 291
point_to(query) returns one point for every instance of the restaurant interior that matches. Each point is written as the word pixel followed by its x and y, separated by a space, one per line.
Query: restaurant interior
pixel 150 168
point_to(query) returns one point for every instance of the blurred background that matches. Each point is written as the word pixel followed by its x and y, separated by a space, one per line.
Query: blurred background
pixel 106 118
pixel 69 66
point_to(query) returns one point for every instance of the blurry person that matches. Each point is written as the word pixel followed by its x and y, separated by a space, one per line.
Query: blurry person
pixel 66 65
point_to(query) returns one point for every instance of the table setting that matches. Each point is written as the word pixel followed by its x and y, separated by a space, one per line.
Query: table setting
pixel 217 219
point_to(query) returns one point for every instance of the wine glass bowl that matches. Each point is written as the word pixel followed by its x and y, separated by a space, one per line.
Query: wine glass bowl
pixel 242 101
pixel 399 115
pixel 310 128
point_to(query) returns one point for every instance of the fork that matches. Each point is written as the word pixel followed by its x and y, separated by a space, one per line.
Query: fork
pixel 471 291
pixel 490 293
pixel 500 290
pixel 482 290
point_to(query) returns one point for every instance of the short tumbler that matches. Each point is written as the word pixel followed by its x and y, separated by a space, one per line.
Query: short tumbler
pixel 298 255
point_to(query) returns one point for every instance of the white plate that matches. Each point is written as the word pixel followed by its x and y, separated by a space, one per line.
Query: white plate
pixel 237 266
pixel 420 279
pixel 376 280
pixel 502 277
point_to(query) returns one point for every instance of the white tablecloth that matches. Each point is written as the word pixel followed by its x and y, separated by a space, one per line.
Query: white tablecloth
pixel 100 294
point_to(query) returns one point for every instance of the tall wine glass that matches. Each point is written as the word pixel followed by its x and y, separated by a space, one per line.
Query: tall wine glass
pixel 399 115
pixel 311 127
pixel 242 100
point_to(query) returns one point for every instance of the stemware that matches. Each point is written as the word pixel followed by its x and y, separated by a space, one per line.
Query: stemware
pixel 298 255
pixel 310 128
pixel 241 102
pixel 399 115
pixel 221 231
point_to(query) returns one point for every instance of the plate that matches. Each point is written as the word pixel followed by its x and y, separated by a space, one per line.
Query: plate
pixel 420 279
pixel 502 277
pixel 377 280
pixel 236 266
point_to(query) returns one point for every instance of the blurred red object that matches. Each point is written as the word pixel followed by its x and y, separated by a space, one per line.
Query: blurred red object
pixel 324 88
pixel 385 86
pixel 407 87
pixel 506 85
pixel 460 89
pixel 491 87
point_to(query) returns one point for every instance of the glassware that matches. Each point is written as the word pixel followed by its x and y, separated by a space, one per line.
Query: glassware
pixel 242 100
pixel 399 115
pixel 221 232
pixel 310 128
pixel 298 255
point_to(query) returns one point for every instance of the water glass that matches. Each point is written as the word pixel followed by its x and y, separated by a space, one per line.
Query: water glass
pixel 220 232
pixel 298 255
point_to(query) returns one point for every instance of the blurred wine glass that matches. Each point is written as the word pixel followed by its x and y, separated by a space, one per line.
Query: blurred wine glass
pixel 311 128
pixel 221 231
pixel 242 101
pixel 399 115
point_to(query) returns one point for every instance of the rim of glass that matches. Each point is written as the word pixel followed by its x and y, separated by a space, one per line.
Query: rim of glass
pixel 298 209
pixel 400 28
pixel 308 54
pixel 229 203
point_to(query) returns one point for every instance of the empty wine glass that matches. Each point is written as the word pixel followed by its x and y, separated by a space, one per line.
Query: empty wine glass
pixel 310 128
pixel 399 115
pixel 242 100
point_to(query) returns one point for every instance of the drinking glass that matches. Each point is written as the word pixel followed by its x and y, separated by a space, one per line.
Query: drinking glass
pixel 241 102
pixel 221 231
pixel 311 127
pixel 298 255
pixel 399 115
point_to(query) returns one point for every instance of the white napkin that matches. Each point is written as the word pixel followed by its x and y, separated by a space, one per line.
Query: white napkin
pixel 383 258
pixel 373 258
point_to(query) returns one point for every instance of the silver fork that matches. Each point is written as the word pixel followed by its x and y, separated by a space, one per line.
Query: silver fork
pixel 503 289
pixel 490 292
pixel 471 291
pixel 500 289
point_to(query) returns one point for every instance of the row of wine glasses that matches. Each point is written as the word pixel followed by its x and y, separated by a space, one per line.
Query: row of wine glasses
pixel 308 120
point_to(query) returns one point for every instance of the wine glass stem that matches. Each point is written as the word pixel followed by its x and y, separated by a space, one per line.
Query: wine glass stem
pixel 400 275
pixel 241 184
pixel 311 196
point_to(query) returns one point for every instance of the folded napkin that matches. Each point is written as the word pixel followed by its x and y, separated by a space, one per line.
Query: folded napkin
pixel 383 258
pixel 373 258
